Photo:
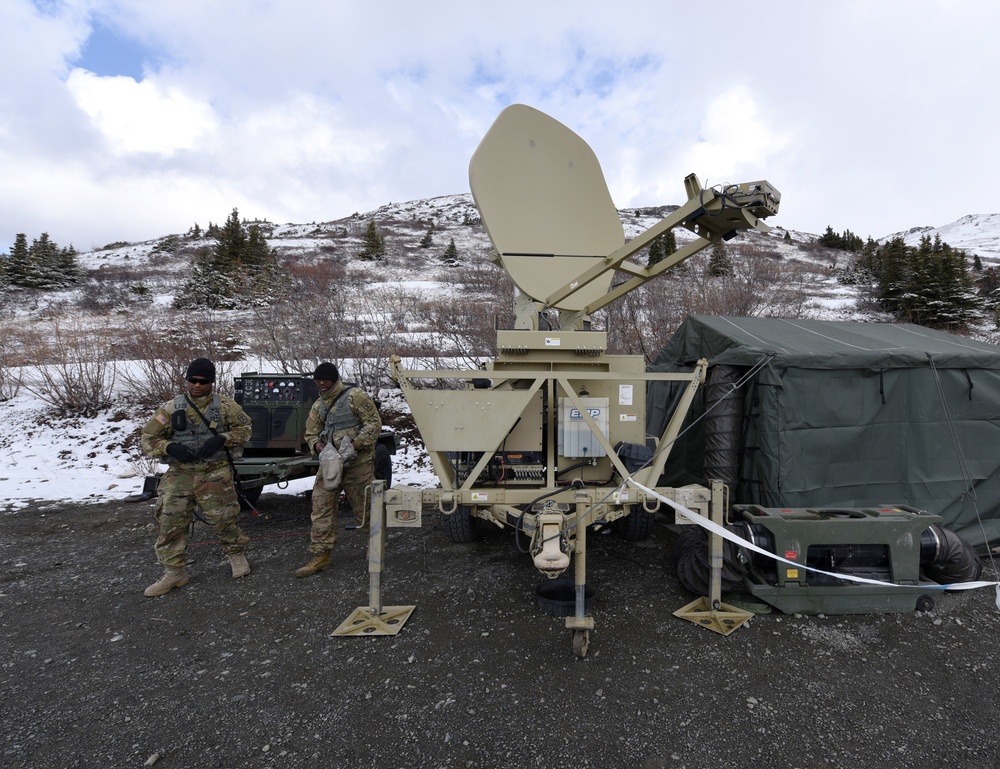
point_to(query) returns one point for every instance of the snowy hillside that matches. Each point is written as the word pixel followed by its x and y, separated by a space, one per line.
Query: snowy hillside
pixel 97 459
pixel 977 234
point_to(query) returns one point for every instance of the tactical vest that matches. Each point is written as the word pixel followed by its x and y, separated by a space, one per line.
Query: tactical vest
pixel 196 432
pixel 338 419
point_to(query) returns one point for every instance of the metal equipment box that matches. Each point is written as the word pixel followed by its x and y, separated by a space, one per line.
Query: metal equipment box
pixel 873 543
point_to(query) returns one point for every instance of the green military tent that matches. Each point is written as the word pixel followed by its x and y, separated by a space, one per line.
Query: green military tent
pixel 811 413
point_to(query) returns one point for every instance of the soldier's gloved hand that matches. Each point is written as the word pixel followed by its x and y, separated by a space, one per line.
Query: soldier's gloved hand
pixel 212 445
pixel 347 450
pixel 181 453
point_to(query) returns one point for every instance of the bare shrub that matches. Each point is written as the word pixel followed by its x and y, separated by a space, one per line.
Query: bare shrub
pixel 308 324
pixel 382 318
pixel 113 288
pixel 18 348
pixel 79 376
pixel 481 276
pixel 758 285
pixel 465 330
pixel 157 348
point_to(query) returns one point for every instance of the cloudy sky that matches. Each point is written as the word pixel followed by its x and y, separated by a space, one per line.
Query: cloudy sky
pixel 133 119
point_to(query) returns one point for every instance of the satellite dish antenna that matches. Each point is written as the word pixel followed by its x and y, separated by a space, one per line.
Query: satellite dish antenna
pixel 545 205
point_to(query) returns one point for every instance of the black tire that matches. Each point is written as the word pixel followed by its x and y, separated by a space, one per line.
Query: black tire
pixel 383 464
pixel 925 603
pixel 462 526
pixel 250 497
pixel 637 526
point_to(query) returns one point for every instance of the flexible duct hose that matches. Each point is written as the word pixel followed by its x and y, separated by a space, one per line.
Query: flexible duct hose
pixel 953 559
pixel 692 558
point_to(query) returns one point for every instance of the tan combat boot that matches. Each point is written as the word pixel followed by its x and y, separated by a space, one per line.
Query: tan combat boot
pixel 319 562
pixel 173 576
pixel 239 564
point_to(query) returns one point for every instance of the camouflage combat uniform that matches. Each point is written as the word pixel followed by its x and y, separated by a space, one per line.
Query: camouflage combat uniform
pixel 358 418
pixel 208 484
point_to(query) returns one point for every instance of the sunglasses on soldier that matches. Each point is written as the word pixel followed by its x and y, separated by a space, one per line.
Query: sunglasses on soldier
pixel 197 381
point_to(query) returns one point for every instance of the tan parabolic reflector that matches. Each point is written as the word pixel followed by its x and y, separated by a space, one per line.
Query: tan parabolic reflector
pixel 545 205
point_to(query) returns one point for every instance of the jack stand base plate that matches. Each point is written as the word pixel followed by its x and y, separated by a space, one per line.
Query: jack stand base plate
pixel 361 622
pixel 723 620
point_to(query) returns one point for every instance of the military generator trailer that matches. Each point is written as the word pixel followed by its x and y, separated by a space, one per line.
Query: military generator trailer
pixel 547 437
pixel 278 405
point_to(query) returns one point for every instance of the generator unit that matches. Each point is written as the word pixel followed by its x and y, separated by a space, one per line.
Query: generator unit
pixel 278 405
pixel 897 545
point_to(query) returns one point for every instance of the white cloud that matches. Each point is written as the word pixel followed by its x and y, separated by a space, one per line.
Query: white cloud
pixel 141 117
pixel 869 116
pixel 734 136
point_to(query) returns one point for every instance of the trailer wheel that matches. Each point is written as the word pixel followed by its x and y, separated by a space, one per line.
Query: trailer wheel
pixel 250 497
pixel 925 603
pixel 383 464
pixel 636 526
pixel 462 526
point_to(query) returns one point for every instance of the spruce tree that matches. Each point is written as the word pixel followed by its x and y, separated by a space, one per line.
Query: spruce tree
pixel 65 270
pixel 451 252
pixel 374 247
pixel 655 253
pixel 662 246
pixel 17 264
pixel 928 285
pixel 719 264
pixel 43 253
pixel 240 271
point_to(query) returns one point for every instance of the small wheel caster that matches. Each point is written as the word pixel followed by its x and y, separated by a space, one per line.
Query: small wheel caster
pixel 581 640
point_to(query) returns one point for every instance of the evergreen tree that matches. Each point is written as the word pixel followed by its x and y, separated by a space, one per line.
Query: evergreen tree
pixel 428 240
pixel 846 242
pixel 719 264
pixel 374 247
pixel 655 253
pixel 662 246
pixel 240 271
pixel 17 264
pixel 42 255
pixel 829 238
pixel 66 269
pixel 450 253
pixel 928 285
pixel 42 265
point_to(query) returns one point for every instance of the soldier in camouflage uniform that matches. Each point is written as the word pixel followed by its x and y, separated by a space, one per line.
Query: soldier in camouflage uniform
pixel 341 410
pixel 199 473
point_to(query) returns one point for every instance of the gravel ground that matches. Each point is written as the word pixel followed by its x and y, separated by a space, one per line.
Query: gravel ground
pixel 226 673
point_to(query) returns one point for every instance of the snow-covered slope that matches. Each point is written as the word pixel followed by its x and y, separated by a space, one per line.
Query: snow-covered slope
pixel 86 459
pixel 977 234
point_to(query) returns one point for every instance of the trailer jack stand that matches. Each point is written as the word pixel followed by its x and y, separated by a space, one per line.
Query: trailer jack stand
pixel 711 612
pixel 375 619
pixel 722 618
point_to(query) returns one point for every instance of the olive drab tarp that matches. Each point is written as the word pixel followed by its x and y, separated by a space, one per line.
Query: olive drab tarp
pixel 844 414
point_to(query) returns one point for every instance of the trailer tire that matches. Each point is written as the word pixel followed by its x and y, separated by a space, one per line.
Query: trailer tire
pixel 250 497
pixel 637 526
pixel 462 526
pixel 383 464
